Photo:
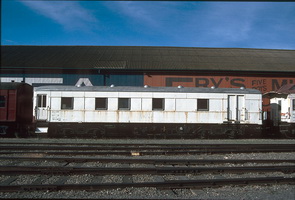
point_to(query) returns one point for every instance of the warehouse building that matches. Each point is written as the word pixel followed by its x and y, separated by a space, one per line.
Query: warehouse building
pixel 264 69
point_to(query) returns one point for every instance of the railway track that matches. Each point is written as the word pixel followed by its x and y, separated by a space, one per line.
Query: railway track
pixel 126 149
pixel 49 170
pixel 160 185
pixel 28 167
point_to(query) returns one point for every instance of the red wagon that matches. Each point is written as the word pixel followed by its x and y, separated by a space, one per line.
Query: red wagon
pixel 16 109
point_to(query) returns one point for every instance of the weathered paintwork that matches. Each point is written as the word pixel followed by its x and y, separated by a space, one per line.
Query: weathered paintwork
pixel 179 107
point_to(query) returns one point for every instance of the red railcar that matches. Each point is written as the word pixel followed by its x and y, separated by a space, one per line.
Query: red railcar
pixel 16 109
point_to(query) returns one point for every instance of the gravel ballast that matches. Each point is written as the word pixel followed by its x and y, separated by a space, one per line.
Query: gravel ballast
pixel 271 192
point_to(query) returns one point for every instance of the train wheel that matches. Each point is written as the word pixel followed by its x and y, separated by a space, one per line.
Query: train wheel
pixel 231 134
pixel 3 131
pixel 96 133
pixel 67 133
pixel 16 134
pixel 290 134
pixel 203 134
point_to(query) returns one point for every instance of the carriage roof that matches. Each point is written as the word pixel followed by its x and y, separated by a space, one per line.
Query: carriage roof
pixel 147 89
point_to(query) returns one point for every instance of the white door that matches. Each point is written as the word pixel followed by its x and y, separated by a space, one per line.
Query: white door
pixel 236 104
pixel 240 108
pixel 42 108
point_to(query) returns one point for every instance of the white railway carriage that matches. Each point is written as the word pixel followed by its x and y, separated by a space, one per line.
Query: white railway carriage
pixel 148 112
pixel 283 114
pixel 283 108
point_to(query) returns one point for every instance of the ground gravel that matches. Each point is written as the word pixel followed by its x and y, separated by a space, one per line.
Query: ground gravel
pixel 248 192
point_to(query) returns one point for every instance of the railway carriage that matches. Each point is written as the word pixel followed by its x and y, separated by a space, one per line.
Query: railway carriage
pixel 281 118
pixel 16 106
pixel 148 112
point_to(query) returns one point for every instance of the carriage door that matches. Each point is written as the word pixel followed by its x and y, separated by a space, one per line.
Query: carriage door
pixel 236 104
pixel 42 108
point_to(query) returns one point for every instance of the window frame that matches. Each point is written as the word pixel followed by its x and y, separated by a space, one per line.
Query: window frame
pixel 120 103
pixel 200 103
pixel 105 103
pixel 154 103
pixel 71 107
pixel 41 98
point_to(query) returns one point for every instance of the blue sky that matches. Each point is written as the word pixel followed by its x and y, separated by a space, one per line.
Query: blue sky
pixel 268 25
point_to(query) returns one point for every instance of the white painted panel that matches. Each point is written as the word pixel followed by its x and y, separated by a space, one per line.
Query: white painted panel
pixel 136 104
pixel 73 94
pixel 169 104
pixel 79 103
pixel 96 94
pixel 112 116
pixel 215 105
pixel 113 104
pixel 159 95
pixel 55 103
pixel 124 116
pixel 146 104
pixel 147 95
pixel 112 94
pixel 130 94
pixel 186 104
pixel 89 103
pixel 141 117
pixel 78 116
pixel 158 117
pixel 55 94
pixel 72 116
pixel 100 116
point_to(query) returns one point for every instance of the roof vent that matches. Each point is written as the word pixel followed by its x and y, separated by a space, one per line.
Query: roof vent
pixel 242 88
pixel 146 86
pixel 112 85
pixel 180 86
pixel 213 87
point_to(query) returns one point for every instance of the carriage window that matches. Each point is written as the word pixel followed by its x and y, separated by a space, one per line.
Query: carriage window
pixel 124 104
pixel 203 104
pixel 2 101
pixel 67 103
pixel 293 104
pixel 41 101
pixel 158 104
pixel 101 103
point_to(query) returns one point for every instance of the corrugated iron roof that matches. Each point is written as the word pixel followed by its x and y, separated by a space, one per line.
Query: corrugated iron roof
pixel 147 58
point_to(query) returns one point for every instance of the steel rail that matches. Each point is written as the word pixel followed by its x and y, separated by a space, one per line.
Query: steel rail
pixel 139 144
pixel 160 185
pixel 17 170
pixel 140 152
pixel 37 157
pixel 144 147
